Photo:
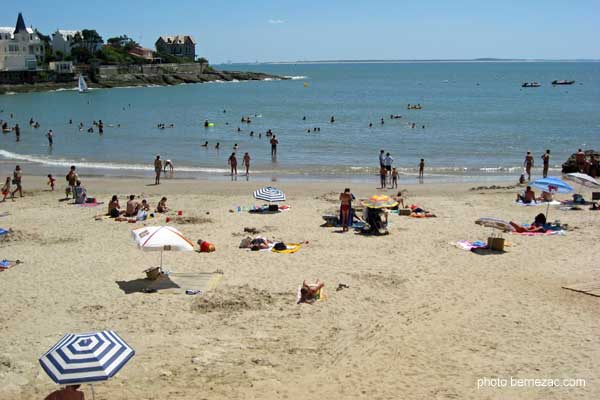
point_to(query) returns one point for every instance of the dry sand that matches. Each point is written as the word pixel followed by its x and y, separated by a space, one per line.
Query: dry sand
pixel 421 319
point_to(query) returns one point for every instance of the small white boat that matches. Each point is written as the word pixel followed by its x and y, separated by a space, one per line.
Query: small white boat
pixel 81 85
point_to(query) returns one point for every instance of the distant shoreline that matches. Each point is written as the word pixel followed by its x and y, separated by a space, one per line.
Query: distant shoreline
pixel 474 60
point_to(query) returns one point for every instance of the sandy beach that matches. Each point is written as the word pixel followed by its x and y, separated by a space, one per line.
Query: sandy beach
pixel 421 319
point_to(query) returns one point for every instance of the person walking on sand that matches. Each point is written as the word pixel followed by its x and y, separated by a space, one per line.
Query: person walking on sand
pixel 158 166
pixel 274 143
pixel 546 161
pixel 345 200
pixel 6 189
pixel 17 177
pixel 246 163
pixel 528 163
pixel 232 161
pixel 50 136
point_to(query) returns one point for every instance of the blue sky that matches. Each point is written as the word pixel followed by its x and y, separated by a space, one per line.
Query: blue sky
pixel 282 30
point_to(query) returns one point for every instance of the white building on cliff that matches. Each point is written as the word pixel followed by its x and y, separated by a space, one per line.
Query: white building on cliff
pixel 20 48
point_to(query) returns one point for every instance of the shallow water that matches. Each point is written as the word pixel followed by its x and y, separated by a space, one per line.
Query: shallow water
pixel 477 118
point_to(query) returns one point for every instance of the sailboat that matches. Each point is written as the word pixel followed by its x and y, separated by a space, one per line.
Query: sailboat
pixel 82 86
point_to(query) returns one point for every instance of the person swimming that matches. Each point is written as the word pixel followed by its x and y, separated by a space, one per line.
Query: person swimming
pixel 217 146
pixel 205 144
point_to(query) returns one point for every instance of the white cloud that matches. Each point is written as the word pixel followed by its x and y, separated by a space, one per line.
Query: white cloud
pixel 276 21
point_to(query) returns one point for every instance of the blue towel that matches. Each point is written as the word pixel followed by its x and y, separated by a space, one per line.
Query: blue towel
pixel 5 264
pixel 3 231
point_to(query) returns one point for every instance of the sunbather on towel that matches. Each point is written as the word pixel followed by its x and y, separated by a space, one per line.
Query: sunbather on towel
pixel 546 196
pixel 527 197
pixel 260 243
pixel 536 226
pixel 308 293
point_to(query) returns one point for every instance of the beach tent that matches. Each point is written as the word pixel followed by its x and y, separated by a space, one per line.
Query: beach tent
pixel 86 358
pixel 161 238
pixel 269 194
pixel 552 185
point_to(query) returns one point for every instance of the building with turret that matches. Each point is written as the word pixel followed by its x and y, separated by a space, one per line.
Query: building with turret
pixel 20 47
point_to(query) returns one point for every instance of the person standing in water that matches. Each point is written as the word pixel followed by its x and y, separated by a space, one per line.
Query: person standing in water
pixel 546 161
pixel 169 164
pixel 18 132
pixel 158 166
pixel 232 161
pixel 528 163
pixel 246 163
pixel 274 143
pixel 421 169
pixel 50 136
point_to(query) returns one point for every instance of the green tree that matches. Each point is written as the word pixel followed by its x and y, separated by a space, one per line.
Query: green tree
pixel 88 39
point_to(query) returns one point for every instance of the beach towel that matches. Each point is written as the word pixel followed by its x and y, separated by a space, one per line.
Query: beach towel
pixel 5 264
pixel 95 204
pixel 547 233
pixel 539 203
pixel 4 231
pixel 469 246
pixel 291 248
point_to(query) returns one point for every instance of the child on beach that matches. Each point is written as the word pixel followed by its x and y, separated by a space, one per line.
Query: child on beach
pixel 421 168
pixel 51 181
pixel 394 178
pixel 6 188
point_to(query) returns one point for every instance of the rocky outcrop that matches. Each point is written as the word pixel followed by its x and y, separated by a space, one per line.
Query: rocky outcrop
pixel 145 79
pixel 571 164
pixel 177 78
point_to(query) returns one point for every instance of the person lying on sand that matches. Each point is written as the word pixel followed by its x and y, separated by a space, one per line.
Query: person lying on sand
pixel 308 292
pixel 536 226
pixel 162 206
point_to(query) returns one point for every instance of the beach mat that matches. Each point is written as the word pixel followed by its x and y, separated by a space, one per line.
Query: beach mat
pixel 291 248
pixel 539 203
pixel 590 288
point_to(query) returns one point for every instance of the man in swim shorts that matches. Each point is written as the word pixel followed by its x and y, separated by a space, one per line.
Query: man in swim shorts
pixel 157 169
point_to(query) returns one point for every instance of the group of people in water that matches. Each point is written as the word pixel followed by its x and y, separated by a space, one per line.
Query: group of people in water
pixel 388 175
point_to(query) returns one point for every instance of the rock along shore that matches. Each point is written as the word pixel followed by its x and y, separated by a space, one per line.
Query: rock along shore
pixel 144 79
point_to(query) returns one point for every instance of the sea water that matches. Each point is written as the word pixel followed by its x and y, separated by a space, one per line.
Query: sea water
pixel 476 120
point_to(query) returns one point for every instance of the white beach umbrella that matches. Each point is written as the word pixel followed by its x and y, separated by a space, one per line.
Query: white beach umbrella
pixel 161 238
pixel 583 180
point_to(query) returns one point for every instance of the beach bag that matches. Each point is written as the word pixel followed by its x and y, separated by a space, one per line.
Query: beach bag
pixel 280 246
pixel 273 207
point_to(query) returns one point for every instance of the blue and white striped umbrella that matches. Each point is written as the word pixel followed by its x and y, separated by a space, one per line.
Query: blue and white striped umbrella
pixel 269 194
pixel 86 357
